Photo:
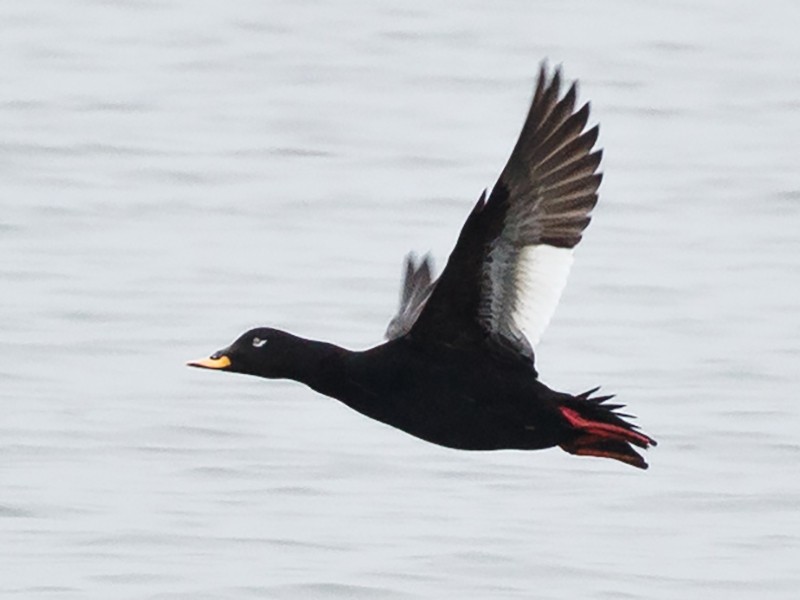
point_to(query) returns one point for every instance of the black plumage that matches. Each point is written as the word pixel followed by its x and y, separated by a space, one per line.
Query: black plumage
pixel 458 367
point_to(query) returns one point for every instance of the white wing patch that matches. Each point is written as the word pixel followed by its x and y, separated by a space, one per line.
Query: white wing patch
pixel 540 277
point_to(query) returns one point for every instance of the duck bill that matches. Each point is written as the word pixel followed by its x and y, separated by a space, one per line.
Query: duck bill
pixel 221 362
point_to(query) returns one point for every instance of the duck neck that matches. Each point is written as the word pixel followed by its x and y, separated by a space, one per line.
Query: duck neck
pixel 322 367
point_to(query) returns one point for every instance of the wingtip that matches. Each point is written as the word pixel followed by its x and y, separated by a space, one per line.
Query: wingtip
pixel 555 82
pixel 552 76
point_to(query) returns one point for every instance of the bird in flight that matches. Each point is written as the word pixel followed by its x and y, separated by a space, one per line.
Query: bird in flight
pixel 457 368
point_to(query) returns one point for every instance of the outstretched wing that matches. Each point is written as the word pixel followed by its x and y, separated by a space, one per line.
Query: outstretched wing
pixel 506 273
pixel 417 288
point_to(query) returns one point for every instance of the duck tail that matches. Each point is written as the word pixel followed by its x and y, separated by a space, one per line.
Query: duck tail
pixel 597 429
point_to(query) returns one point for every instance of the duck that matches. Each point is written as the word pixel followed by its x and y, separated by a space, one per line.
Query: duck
pixel 457 367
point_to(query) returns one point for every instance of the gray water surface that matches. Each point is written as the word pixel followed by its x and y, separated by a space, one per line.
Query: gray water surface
pixel 174 172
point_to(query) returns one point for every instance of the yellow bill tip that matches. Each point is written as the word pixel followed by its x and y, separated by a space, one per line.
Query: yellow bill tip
pixel 211 363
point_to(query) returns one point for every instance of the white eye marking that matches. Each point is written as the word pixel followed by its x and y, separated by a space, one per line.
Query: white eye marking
pixel 258 342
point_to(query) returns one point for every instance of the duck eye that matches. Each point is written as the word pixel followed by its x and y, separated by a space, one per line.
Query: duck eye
pixel 258 342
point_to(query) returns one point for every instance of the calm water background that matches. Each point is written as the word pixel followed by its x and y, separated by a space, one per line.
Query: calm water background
pixel 174 172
